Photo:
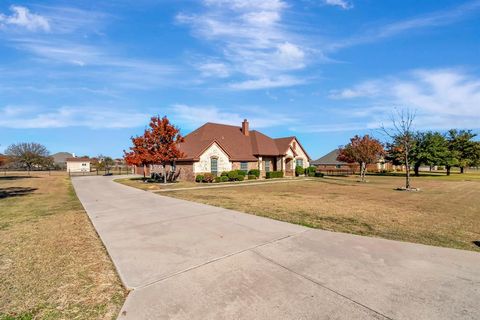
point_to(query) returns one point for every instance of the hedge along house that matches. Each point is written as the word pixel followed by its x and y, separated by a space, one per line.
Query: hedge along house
pixel 217 148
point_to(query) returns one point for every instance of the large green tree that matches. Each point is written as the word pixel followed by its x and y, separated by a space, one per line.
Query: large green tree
pixel 464 151
pixel 28 155
pixel 430 148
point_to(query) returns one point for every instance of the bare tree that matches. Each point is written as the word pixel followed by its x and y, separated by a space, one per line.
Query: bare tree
pixel 403 138
pixel 28 154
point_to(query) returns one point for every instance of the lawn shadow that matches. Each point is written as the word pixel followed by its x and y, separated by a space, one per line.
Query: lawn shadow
pixel 15 177
pixel 15 192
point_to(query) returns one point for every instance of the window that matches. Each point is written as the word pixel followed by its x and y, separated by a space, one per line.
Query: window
pixel 300 163
pixel 338 166
pixel 267 165
pixel 214 166
pixel 244 166
pixel 84 164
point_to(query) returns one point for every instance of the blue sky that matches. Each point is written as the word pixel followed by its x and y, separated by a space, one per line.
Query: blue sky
pixel 84 76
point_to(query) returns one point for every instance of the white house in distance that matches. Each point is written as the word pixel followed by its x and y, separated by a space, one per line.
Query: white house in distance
pixel 78 164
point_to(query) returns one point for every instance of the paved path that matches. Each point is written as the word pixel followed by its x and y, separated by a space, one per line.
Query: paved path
pixel 185 260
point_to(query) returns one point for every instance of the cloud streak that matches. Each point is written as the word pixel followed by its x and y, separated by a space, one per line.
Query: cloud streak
pixel 443 98
pixel 253 41
pixel 19 117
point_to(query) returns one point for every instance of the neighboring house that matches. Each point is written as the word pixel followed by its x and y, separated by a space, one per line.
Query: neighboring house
pixel 217 148
pixel 60 159
pixel 78 164
pixel 330 162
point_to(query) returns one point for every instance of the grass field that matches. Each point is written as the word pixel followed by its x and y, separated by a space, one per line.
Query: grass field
pixel 52 263
pixel 446 212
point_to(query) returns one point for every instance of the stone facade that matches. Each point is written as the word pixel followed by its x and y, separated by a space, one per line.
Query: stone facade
pixel 204 164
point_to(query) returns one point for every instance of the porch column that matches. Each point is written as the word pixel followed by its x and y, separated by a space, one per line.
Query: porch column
pixel 260 166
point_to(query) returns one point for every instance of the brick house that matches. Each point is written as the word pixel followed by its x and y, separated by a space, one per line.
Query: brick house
pixel 329 162
pixel 217 148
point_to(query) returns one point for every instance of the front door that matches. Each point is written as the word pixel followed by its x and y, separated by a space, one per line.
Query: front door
pixel 289 167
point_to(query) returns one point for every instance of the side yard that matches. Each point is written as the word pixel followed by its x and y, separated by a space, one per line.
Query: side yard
pixel 52 263
pixel 444 213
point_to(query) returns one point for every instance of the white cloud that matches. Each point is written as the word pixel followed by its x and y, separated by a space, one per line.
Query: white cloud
pixel 195 116
pixel 443 98
pixel 91 117
pixel 252 39
pixel 266 83
pixel 364 89
pixel 433 19
pixel 214 69
pixel 344 4
pixel 22 17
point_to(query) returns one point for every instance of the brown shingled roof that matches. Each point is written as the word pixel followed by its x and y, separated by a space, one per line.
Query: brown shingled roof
pixel 239 147
pixel 77 159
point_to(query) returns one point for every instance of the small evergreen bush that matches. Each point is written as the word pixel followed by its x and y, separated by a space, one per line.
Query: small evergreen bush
pixel 254 172
pixel 252 177
pixel 224 178
pixel 240 178
pixel 274 174
pixel 299 171
pixel 199 178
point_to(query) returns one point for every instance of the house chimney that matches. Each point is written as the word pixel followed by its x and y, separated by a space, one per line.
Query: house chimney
pixel 245 127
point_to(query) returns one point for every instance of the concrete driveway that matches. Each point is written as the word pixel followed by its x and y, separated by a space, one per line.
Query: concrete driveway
pixel 186 260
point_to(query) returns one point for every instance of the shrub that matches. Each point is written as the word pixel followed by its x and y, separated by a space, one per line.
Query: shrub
pixel 319 174
pixel 254 172
pixel 440 168
pixel 299 171
pixel 310 169
pixel 218 179
pixel 274 174
pixel 224 174
pixel 241 173
pixel 208 177
pixel 232 175
pixel 199 178
pixel 224 178
pixel 240 178
pixel 252 177
pixel 311 174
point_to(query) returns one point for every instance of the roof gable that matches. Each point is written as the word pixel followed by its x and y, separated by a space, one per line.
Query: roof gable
pixel 329 159
pixel 238 146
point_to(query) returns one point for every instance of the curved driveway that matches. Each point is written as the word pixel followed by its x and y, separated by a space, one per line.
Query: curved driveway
pixel 186 260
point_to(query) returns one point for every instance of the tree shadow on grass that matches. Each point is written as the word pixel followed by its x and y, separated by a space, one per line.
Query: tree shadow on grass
pixel 15 192
pixel 15 177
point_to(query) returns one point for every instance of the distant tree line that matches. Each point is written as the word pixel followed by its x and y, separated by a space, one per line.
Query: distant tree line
pixel 413 149
pixel 456 148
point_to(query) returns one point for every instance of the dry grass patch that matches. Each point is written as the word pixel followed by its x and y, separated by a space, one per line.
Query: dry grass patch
pixel 444 213
pixel 52 263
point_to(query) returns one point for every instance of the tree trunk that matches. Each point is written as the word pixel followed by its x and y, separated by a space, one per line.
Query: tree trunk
pixel 144 171
pixel 164 174
pixel 417 169
pixel 462 169
pixel 363 169
pixel 407 175
pixel 448 170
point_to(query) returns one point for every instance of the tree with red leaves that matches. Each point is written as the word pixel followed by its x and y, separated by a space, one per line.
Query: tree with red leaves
pixel 158 145
pixel 362 150
pixel 139 155
pixel 163 139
